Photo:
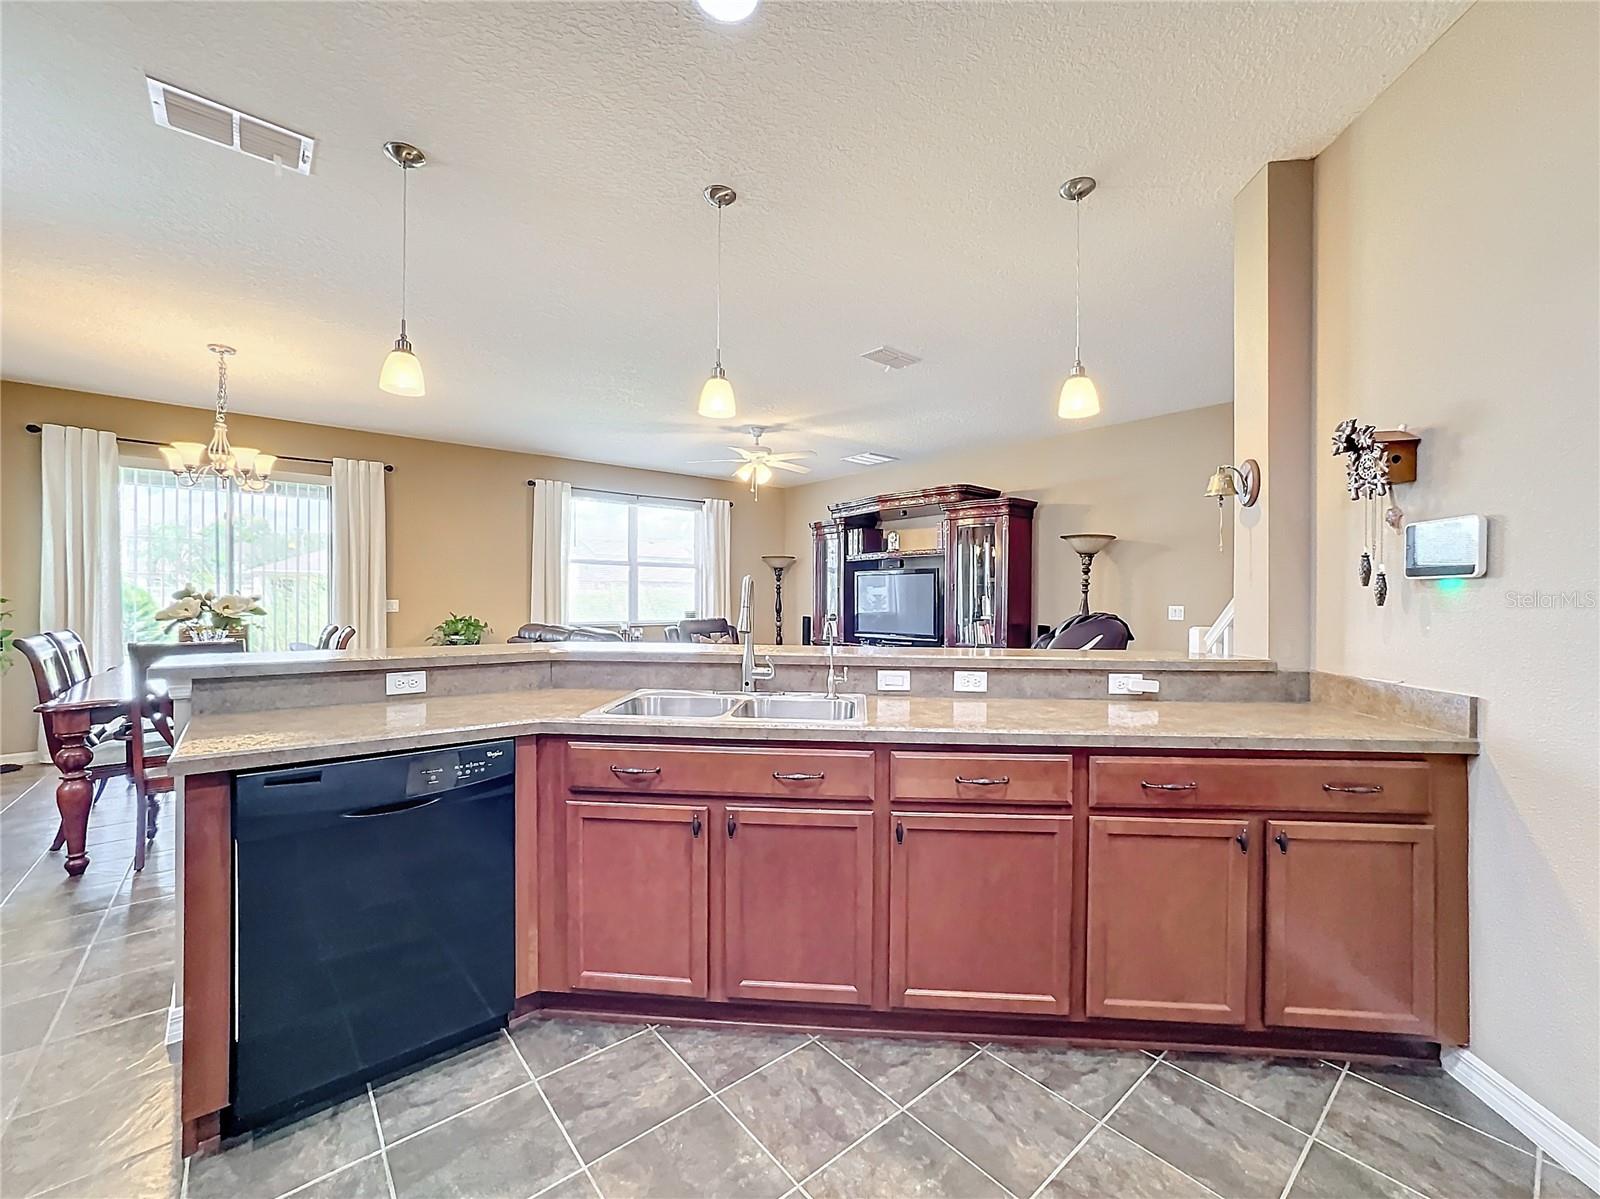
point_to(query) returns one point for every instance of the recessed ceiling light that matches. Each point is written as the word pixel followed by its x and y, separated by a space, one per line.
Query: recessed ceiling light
pixel 727 11
pixel 870 458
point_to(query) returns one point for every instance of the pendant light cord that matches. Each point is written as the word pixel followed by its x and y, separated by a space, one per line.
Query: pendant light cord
pixel 1077 287
pixel 405 230
pixel 719 285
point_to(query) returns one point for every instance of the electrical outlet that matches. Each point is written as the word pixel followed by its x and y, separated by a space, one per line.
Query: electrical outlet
pixel 1131 684
pixel 405 682
pixel 1174 611
pixel 391 605
pixel 894 680
pixel 971 680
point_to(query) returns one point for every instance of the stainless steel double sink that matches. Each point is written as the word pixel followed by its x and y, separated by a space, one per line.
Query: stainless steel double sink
pixel 719 706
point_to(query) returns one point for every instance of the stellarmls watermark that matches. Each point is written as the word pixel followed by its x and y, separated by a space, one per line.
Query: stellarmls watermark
pixel 1575 600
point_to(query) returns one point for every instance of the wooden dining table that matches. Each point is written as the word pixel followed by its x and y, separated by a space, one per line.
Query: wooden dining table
pixel 69 718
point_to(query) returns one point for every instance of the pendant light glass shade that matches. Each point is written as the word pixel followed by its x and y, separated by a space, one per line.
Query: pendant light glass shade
pixel 716 397
pixel 402 370
pixel 1079 398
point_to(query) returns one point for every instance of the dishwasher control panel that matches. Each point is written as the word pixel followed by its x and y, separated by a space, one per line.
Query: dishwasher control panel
pixel 450 768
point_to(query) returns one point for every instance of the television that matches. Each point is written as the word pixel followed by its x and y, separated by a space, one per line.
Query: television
pixel 898 606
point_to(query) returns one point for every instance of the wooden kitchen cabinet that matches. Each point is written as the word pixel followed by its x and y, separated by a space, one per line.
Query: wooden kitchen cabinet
pixel 637 898
pixel 797 900
pixel 1350 926
pixel 1169 919
pixel 979 912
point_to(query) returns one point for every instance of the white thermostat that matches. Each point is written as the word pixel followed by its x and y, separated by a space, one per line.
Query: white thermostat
pixel 1454 547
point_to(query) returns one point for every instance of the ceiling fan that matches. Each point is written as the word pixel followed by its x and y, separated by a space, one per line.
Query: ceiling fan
pixel 756 464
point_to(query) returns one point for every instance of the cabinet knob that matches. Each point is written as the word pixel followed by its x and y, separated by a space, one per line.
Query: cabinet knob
pixel 1167 786
pixel 1243 840
pixel 797 776
pixel 899 833
pixel 626 771
pixel 1001 781
pixel 1281 840
pixel 733 826
pixel 1354 788
pixel 695 825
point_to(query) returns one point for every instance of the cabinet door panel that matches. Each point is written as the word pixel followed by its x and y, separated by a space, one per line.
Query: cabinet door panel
pixel 636 897
pixel 798 905
pixel 979 912
pixel 1169 915
pixel 1350 926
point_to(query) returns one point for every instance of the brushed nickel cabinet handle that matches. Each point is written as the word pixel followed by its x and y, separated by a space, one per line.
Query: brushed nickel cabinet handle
pixel 1148 786
pixel 629 771
pixel 994 782
pixel 1354 788
pixel 797 776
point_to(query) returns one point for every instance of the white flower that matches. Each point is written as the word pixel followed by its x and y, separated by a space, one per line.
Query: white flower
pixel 186 608
pixel 231 607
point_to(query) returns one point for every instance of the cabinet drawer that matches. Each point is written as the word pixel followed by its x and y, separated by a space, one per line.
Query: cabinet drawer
pixel 1301 786
pixel 981 778
pixel 730 770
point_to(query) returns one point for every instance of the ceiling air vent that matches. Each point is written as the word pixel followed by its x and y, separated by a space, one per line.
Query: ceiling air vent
pixel 870 457
pixel 186 112
pixel 890 358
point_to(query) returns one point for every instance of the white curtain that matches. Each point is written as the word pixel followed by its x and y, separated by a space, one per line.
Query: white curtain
pixel 716 559
pixel 80 560
pixel 552 502
pixel 360 560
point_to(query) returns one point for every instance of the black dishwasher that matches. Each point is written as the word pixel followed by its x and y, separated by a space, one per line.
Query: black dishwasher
pixel 374 919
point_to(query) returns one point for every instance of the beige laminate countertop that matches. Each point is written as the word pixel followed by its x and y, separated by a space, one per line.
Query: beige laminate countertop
pixel 285 737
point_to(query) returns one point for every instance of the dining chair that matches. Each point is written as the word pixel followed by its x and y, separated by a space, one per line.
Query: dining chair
pixel 52 676
pixel 74 652
pixel 714 629
pixel 325 638
pixel 155 709
pixel 344 637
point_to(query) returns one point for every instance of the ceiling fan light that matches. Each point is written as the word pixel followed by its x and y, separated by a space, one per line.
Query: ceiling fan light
pixel 402 371
pixel 727 11
pixel 1079 398
pixel 716 397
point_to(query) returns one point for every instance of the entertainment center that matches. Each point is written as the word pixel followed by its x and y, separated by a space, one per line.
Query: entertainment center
pixel 941 566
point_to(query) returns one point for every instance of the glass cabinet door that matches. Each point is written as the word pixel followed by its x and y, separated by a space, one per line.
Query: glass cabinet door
pixel 973 583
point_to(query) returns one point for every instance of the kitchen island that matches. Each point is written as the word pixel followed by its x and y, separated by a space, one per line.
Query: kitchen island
pixel 1282 873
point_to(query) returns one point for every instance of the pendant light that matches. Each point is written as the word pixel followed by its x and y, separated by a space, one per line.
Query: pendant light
pixel 246 467
pixel 1079 398
pixel 716 397
pixel 402 371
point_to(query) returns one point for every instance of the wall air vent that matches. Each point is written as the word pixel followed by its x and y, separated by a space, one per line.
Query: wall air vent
pixel 890 358
pixel 870 458
pixel 186 112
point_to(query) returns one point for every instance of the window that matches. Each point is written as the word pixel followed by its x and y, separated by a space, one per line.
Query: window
pixel 631 560
pixel 275 544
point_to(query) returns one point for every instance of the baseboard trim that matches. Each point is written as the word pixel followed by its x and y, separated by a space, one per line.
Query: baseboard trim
pixel 28 757
pixel 1569 1148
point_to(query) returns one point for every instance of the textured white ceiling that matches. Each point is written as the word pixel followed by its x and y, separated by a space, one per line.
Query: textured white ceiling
pixel 897 165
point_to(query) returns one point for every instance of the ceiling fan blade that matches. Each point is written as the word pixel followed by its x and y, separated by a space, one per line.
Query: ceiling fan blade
pixel 747 455
pixel 795 467
pixel 714 462
pixel 791 455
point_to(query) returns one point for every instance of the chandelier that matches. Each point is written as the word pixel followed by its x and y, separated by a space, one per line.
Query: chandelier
pixel 244 466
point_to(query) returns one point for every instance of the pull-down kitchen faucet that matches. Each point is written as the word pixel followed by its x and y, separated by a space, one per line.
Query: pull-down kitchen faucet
pixel 830 635
pixel 749 672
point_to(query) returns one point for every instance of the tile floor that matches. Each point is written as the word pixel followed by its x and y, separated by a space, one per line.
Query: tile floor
pixel 567 1107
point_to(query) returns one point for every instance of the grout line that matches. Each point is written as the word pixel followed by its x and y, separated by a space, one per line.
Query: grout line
pixel 565 1178
pixel 1042 1086
pixel 1453 1119
pixel 887 1119
pixel 300 1187
pixel 1108 1131
pixel 1367 1166
pixel 722 1103
pixel 183 1186
pixel 383 1148
pixel 916 1119
pixel 1223 1091
pixel 583 1166
pixel 1538 1172
pixel 1305 1149
pixel 1103 1121
pixel 592 1053
pixel 410 1136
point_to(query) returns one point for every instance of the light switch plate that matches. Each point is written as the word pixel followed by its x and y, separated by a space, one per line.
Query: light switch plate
pixel 894 680
pixel 391 605
pixel 405 682
pixel 1174 611
pixel 971 680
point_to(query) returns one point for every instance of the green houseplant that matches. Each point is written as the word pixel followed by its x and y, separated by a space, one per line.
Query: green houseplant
pixel 7 634
pixel 459 630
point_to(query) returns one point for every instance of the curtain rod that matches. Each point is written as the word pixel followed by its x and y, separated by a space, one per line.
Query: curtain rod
pixel 279 457
pixel 633 495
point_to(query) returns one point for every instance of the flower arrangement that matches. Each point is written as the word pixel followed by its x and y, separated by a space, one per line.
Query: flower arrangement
pixel 207 616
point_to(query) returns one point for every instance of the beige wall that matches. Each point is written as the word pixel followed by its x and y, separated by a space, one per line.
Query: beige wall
pixel 1142 480
pixel 459 516
pixel 1456 256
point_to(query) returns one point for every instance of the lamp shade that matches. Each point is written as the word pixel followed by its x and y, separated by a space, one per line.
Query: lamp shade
pixel 1087 543
pixel 402 372
pixel 716 398
pixel 1079 399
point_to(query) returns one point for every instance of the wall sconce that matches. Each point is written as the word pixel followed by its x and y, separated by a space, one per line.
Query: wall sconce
pixel 1242 482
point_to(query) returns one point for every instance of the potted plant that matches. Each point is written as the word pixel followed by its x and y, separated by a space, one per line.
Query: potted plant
pixel 7 634
pixel 207 616
pixel 459 630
